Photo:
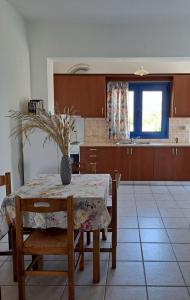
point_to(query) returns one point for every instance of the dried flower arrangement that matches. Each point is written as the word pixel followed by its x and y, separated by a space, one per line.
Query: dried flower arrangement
pixel 57 127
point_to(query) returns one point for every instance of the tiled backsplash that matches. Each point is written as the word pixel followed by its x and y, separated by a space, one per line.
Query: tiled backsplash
pixel 96 130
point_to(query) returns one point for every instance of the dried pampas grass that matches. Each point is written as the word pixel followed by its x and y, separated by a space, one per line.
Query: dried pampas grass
pixel 57 127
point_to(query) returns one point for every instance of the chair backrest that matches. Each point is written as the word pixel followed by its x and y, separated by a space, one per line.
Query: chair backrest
pixel 5 180
pixel 43 205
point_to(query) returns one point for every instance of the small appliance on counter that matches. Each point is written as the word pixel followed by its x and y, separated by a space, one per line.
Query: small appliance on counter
pixel 34 105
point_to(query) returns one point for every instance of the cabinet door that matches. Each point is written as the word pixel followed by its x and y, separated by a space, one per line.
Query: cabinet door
pixel 88 159
pixel 102 159
pixel 142 163
pixel 181 96
pixel 86 93
pixel 123 164
pixel 107 160
pixel 182 164
pixel 164 163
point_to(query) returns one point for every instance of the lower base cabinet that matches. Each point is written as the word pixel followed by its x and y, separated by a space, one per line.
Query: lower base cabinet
pixel 139 163
pixel 164 163
pixel 172 163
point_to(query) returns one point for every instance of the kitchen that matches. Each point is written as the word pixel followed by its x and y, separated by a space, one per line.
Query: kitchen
pixel 152 158
pixel 86 92
pixel 47 38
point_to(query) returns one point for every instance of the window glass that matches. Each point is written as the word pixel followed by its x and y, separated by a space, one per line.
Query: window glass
pixel 151 111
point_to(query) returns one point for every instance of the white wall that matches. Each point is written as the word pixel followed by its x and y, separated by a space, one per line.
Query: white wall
pixel 14 83
pixel 74 40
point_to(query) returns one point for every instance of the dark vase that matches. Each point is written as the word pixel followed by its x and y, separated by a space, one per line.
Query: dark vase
pixel 65 170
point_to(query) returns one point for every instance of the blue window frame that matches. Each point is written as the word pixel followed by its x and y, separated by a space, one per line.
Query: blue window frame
pixel 148 97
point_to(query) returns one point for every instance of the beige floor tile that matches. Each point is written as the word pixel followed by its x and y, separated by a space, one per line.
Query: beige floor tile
pixel 6 273
pixel 163 274
pixel 150 223
pixel 126 273
pixel 129 251
pixel 154 236
pixel 86 277
pixel 158 252
pixel 87 293
pixel 125 293
pixel 168 293
pixel 128 235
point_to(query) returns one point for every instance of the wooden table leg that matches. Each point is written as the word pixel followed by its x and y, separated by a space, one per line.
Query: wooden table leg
pixel 96 256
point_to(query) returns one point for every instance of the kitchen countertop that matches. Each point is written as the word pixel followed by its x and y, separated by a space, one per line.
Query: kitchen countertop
pixel 104 144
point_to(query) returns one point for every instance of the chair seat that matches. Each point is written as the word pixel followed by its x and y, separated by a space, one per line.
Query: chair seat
pixel 48 240
pixel 53 238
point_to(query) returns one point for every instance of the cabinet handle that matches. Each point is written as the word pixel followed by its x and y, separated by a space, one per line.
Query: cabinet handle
pixel 102 110
pixel 173 151
pixel 175 110
pixel 127 151
pixel 93 149
pixel 131 151
pixel 92 155
pixel 176 151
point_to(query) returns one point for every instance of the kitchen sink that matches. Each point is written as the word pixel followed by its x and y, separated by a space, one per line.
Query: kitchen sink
pixel 123 143
pixel 141 142
pixel 133 142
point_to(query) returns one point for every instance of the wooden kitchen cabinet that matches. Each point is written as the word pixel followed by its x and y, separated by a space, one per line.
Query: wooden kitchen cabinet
pixel 123 162
pixel 172 163
pixel 99 159
pixel 182 163
pixel 142 163
pixel 181 96
pixel 107 160
pixel 86 93
pixel 164 163
pixel 136 163
pixel 139 163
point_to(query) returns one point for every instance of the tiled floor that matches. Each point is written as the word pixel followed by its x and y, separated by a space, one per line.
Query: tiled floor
pixel 153 253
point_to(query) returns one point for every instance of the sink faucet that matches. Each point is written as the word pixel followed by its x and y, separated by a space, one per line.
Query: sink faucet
pixel 134 140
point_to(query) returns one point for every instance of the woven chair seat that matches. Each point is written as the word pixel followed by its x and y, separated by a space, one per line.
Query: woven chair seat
pixel 53 237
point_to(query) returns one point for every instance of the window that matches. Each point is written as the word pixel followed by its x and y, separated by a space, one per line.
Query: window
pixel 149 109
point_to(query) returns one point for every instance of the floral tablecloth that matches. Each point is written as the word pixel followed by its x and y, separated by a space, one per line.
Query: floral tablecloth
pixel 90 192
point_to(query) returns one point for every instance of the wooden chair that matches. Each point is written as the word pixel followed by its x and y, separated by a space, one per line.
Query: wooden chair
pixel 52 241
pixel 117 177
pixel 113 213
pixel 89 168
pixel 111 228
pixel 5 181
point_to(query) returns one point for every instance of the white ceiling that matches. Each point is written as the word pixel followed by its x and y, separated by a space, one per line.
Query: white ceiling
pixel 104 11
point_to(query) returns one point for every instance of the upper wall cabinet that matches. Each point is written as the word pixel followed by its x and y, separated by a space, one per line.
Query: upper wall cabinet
pixel 86 93
pixel 181 96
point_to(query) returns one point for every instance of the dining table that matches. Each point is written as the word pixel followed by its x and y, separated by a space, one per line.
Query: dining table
pixel 90 193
